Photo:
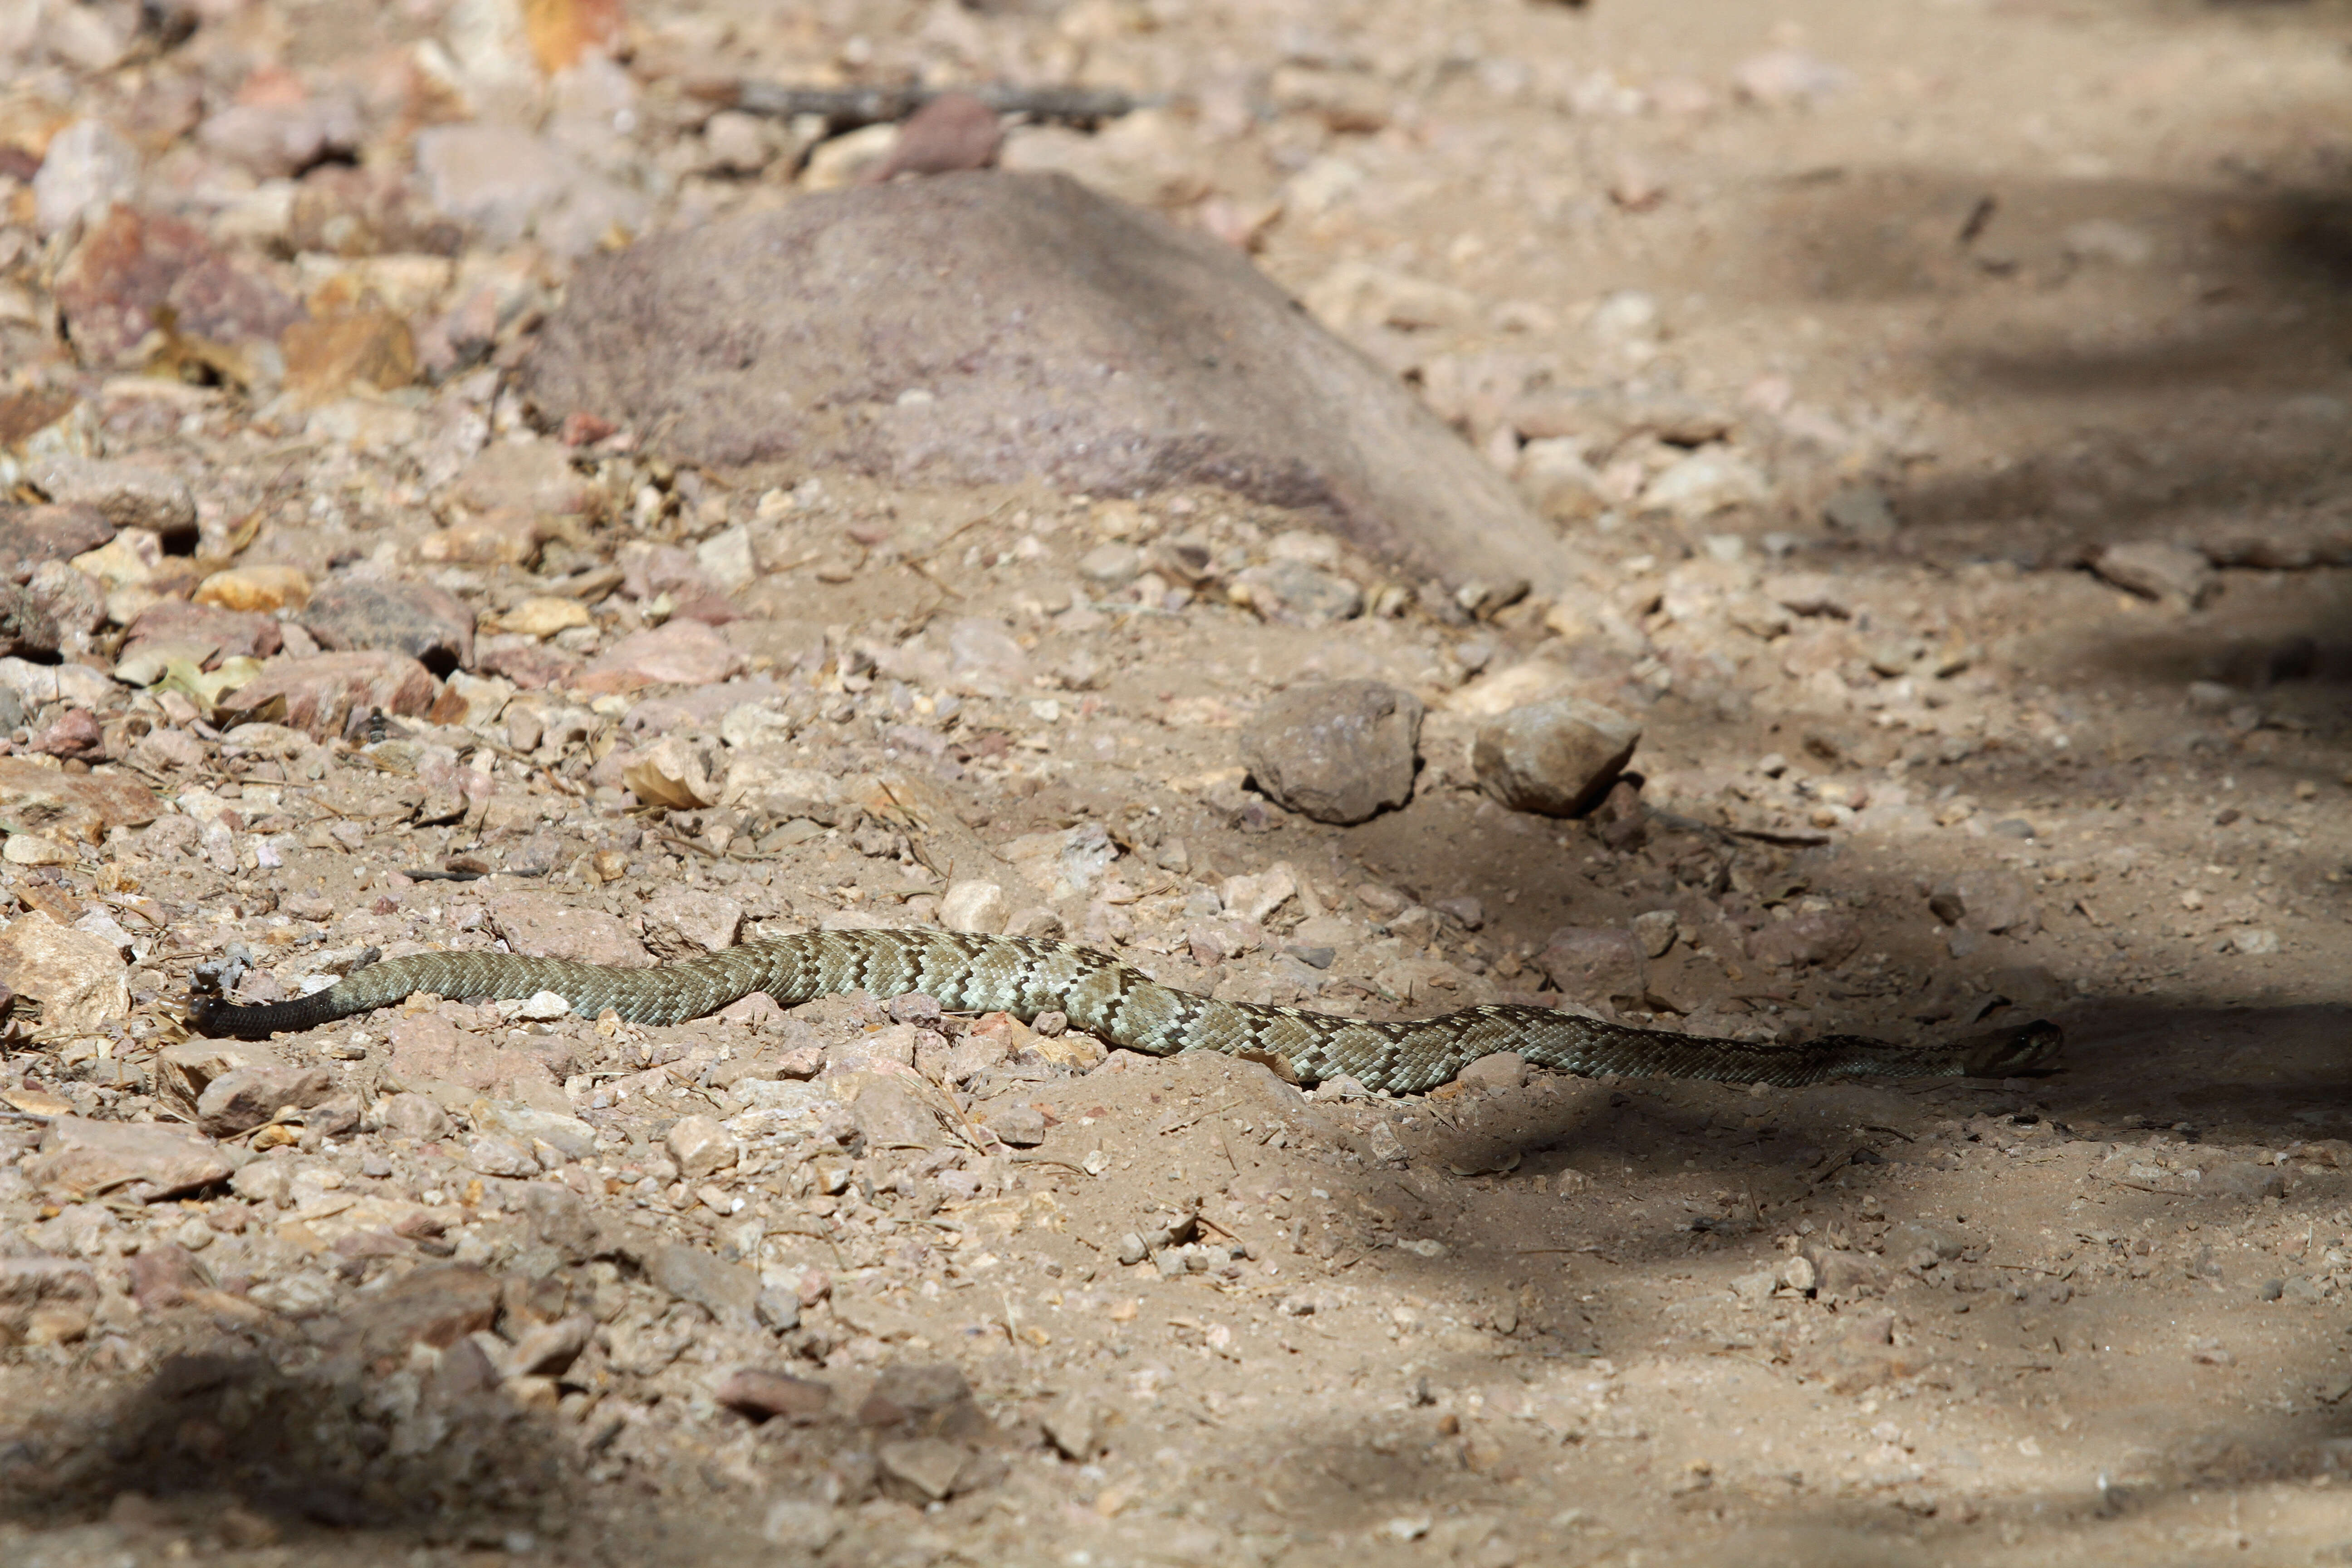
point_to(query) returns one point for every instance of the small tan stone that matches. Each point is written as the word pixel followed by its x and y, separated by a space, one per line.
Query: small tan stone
pixel 257 587
pixel 544 616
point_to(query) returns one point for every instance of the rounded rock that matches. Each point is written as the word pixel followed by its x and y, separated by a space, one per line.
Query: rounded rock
pixel 1555 758
pixel 1339 752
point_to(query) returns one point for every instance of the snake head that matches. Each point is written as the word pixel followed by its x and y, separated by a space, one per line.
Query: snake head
pixel 2013 1051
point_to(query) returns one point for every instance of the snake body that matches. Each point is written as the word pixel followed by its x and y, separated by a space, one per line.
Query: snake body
pixel 1123 1006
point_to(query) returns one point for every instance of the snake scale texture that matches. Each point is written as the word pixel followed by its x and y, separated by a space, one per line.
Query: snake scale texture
pixel 1123 1006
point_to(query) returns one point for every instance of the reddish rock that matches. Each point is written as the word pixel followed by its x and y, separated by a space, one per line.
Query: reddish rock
pixel 69 806
pixel 133 267
pixel 51 532
pixel 954 131
pixel 426 1046
pixel 545 925
pixel 77 1155
pixel 126 492
pixel 326 692
pixel 767 1395
pixel 75 734
pixel 425 623
pixel 531 668
pixel 676 653
pixel 226 634
pixel 164 1275
pixel 433 1306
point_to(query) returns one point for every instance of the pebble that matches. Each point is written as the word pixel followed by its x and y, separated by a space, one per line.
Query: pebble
pixel 1655 931
pixel 1296 594
pixel 550 925
pixel 1709 480
pixel 1557 758
pixel 505 183
pixel 87 168
pixel 2155 569
pixel 1340 752
pixel 1019 1126
pixel 1824 937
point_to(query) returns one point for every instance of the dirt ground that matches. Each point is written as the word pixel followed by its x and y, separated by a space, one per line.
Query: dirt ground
pixel 1843 342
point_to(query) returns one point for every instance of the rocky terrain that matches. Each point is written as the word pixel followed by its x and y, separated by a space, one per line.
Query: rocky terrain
pixel 1914 439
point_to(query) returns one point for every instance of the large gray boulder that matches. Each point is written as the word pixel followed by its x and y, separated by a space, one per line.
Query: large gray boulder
pixel 990 327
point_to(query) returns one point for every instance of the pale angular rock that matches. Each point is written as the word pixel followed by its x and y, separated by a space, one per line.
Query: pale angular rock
pixel 1502 1071
pixel 1255 897
pixel 1997 903
pixel 1557 758
pixel 255 588
pixel 506 184
pixel 79 980
pixel 39 685
pixel 1019 1126
pixel 690 1274
pixel 87 168
pixel 973 907
pixel 1709 480
pixel 700 1146
pixel 184 1070
pixel 548 925
pixel 534 1126
pixel 499 1154
pixel 1496 692
pixel 1339 752
pixel 681 922
pixel 523 477
pixel 1594 962
pixel 1655 931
